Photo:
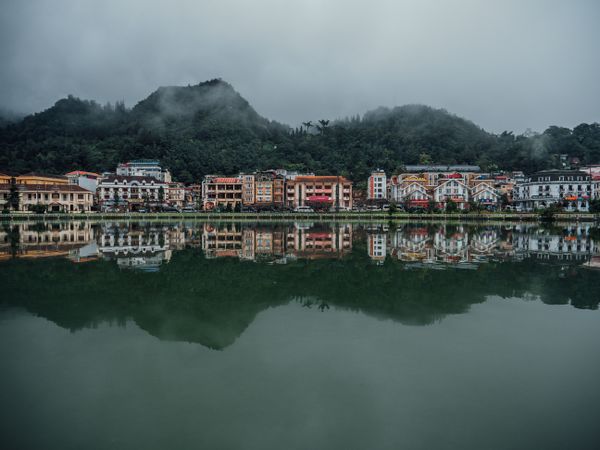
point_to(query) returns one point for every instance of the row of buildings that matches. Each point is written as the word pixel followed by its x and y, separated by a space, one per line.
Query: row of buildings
pixel 134 185
pixel 145 185
pixel 427 186
pixel 276 189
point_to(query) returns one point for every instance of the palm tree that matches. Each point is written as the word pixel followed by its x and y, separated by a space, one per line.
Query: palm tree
pixel 323 125
pixel 308 125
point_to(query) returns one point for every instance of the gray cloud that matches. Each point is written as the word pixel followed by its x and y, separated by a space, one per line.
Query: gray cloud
pixel 508 65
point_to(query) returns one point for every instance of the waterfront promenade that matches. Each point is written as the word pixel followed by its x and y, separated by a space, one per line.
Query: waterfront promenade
pixel 377 216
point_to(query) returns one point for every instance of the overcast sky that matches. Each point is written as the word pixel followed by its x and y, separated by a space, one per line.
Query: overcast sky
pixel 506 65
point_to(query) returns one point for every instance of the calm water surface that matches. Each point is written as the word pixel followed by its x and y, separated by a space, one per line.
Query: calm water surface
pixel 299 335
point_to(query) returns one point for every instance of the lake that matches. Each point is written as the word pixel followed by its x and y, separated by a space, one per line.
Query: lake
pixel 300 335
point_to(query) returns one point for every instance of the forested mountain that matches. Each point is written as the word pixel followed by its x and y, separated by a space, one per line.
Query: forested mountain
pixel 210 128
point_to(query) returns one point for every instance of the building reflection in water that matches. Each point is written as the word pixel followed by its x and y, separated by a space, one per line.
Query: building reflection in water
pixel 462 246
pixel 146 246
pixel 277 243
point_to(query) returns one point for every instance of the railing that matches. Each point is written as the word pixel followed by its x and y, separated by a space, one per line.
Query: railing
pixel 294 216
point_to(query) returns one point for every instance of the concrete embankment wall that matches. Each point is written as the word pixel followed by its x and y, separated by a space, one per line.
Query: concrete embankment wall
pixel 313 217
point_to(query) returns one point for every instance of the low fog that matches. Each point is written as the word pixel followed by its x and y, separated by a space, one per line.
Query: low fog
pixel 511 65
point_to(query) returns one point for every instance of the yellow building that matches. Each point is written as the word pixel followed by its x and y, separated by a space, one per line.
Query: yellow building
pixel 40 178
pixel 51 197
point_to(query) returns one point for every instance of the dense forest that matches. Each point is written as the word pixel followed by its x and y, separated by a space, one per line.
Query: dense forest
pixel 210 128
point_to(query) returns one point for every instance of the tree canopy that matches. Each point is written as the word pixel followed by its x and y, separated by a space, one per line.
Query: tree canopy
pixel 210 128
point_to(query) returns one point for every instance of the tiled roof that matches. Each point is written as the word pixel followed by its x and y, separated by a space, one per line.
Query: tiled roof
pixel 232 180
pixel 46 187
pixel 321 178
pixel 83 172
pixel 43 175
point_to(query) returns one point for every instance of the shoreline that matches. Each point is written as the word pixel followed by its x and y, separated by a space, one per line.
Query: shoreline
pixel 317 217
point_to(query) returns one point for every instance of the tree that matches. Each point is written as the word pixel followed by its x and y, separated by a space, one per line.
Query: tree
pixel 161 195
pixel 13 195
pixel 425 158
pixel 504 200
pixel 431 206
pixel 308 125
pixel 451 206
pixel 323 124
pixel 595 206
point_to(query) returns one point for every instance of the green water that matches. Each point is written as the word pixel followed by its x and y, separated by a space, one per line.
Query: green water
pixel 299 336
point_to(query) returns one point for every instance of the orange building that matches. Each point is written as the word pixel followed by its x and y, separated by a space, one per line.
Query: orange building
pixel 314 190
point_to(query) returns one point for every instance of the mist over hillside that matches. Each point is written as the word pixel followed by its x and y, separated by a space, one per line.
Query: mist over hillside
pixel 211 128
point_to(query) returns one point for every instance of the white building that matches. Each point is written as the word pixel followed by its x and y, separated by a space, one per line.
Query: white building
pixel 86 180
pixel 144 168
pixel 484 193
pixel 453 189
pixel 571 189
pixel 377 185
pixel 133 192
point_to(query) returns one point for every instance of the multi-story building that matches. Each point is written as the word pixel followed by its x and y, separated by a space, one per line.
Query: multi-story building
pixel 144 168
pixel 484 193
pixel 87 180
pixel 453 188
pixel 433 173
pixel 219 192
pixel 49 197
pixel 34 178
pixel 377 186
pixel 176 195
pixel 263 189
pixel 248 190
pixel 130 192
pixel 320 191
pixel 269 189
pixel 571 189
pixel 411 191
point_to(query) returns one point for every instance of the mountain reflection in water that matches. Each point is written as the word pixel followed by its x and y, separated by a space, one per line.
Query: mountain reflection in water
pixel 196 281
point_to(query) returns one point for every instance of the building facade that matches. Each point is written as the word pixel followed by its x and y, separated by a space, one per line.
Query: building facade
pixel 452 189
pixel 221 192
pixel 377 186
pixel 86 180
pixel 144 168
pixel 130 192
pixel 49 197
pixel 313 190
pixel 571 189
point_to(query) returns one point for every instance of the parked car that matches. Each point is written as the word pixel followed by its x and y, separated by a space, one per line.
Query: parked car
pixel 170 209
pixel 304 209
pixel 189 209
pixel 385 208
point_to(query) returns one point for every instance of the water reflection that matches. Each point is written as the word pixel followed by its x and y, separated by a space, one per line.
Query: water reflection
pixel 205 283
pixel 145 246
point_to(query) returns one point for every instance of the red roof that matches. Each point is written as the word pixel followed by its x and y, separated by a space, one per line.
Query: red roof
pixel 227 180
pixel 322 178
